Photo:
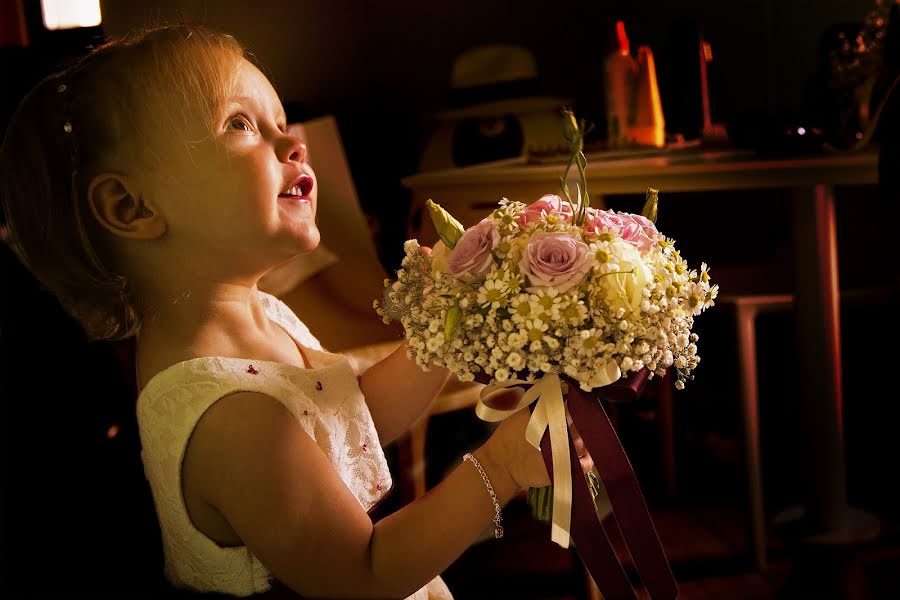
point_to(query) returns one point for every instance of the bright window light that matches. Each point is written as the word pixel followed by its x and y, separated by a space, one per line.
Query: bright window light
pixel 68 14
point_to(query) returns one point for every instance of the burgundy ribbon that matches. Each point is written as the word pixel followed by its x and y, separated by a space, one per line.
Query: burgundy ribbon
pixel 625 389
pixel 629 508
pixel 591 540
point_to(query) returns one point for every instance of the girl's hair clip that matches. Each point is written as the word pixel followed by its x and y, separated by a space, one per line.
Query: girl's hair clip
pixel 61 88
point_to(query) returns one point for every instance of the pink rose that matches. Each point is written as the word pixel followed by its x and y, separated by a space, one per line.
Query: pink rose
pixel 558 260
pixel 472 254
pixel 600 220
pixel 538 211
pixel 634 229
pixel 639 231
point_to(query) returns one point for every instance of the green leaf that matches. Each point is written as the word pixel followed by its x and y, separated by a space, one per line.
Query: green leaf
pixel 448 228
pixel 451 320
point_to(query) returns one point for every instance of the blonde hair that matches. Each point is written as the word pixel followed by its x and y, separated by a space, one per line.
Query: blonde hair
pixel 88 119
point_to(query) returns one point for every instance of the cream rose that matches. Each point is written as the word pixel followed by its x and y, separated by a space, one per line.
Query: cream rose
pixel 624 288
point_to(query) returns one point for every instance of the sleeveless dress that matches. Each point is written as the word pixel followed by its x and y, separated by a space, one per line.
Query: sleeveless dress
pixel 326 402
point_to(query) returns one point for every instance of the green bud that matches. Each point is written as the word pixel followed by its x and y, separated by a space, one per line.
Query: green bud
pixel 570 126
pixel 448 228
pixel 651 205
pixel 451 320
pixel 572 132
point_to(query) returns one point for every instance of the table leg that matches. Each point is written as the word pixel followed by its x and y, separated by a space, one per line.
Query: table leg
pixel 818 322
pixel 819 344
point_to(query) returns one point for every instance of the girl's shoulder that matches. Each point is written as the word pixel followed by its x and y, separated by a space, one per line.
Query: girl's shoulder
pixel 165 365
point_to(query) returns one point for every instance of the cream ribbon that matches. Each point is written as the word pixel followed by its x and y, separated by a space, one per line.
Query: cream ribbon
pixel 550 411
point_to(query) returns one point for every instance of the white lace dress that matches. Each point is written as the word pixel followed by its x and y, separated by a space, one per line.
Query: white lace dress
pixel 326 402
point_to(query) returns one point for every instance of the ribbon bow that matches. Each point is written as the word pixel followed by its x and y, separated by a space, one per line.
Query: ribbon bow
pixel 549 413
pixel 574 512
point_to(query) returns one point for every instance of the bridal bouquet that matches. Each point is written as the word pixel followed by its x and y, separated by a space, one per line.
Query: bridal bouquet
pixel 564 299
pixel 548 288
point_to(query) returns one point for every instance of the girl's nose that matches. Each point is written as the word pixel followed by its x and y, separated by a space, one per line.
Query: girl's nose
pixel 293 149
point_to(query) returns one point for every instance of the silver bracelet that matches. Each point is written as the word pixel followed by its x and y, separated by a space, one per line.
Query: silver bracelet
pixel 498 519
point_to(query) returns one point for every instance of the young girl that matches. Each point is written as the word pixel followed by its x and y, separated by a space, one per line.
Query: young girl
pixel 150 187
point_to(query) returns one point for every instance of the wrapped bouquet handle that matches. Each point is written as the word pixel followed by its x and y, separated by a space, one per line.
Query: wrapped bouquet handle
pixel 548 418
pixel 574 514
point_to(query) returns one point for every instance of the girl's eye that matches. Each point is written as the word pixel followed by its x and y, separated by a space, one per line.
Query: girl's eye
pixel 240 124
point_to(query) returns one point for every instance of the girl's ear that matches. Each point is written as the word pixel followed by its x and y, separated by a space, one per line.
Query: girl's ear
pixel 119 207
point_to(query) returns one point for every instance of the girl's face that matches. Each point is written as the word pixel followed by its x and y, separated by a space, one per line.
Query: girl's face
pixel 244 194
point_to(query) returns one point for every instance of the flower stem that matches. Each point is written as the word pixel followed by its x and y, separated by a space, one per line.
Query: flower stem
pixel 573 132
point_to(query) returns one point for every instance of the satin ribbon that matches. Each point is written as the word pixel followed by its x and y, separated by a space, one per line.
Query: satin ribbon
pixel 575 503
pixel 549 413
pixel 630 509
pixel 592 540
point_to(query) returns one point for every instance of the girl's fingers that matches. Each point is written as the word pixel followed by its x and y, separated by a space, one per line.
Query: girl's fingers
pixel 587 463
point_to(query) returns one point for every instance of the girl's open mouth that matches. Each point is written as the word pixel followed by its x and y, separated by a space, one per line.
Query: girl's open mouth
pixel 300 190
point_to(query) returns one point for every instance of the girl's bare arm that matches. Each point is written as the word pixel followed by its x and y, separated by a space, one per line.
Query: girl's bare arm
pixel 281 495
pixel 398 391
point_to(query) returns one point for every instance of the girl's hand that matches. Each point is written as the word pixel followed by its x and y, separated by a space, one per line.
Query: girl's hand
pixel 508 448
pixel 523 461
